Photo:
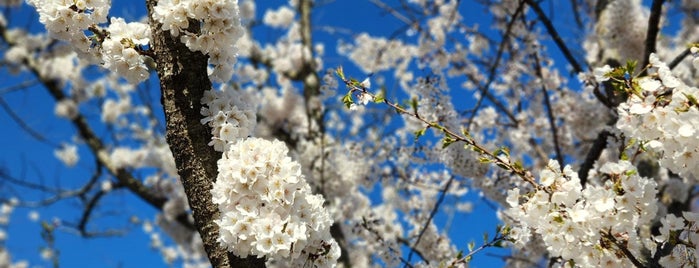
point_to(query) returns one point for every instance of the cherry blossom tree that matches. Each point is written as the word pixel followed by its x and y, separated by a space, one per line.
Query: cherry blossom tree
pixel 580 132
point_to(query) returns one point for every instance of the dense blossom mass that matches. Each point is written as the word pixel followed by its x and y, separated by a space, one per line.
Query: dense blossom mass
pixel 334 145
pixel 267 207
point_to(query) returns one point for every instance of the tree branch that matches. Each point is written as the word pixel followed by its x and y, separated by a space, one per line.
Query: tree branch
pixel 556 37
pixel 656 11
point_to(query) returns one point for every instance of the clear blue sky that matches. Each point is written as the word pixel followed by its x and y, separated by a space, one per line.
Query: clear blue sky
pixel 25 157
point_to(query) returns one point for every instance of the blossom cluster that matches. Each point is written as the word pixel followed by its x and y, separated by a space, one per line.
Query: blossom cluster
pixel 615 37
pixel 219 32
pixel 231 115
pixel 579 224
pixel 121 50
pixel 119 47
pixel 665 117
pixel 67 20
pixel 268 209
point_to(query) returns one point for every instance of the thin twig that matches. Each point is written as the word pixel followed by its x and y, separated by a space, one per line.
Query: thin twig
pixel 556 37
pixel 493 68
pixel 24 126
pixel 435 208
pixel 549 110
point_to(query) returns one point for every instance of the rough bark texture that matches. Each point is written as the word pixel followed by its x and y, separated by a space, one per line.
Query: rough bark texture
pixel 183 80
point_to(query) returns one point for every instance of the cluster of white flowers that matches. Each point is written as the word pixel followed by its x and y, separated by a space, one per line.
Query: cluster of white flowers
pixel 577 224
pixel 268 209
pixel 614 35
pixel 374 54
pixel 283 107
pixel 68 154
pixel 281 18
pixel 231 115
pixel 120 49
pixel 220 30
pixel 66 108
pixel 665 117
pixel 68 20
pixel 118 46
pixel 154 154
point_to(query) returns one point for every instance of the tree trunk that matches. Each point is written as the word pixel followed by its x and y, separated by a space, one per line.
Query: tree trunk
pixel 183 80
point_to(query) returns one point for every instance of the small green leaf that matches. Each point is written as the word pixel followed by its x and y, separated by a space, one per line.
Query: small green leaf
pixel 465 132
pixel 624 156
pixel 354 83
pixel 379 97
pixel 631 66
pixel 340 72
pixel 692 99
pixel 471 246
pixel 420 133
pixel 485 238
pixel 518 165
pixel 399 108
pixel 347 99
pixel 448 140
pixel 502 150
pixel 484 160
pixel 413 104
pixel 558 219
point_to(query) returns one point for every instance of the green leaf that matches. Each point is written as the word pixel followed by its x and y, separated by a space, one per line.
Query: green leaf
pixel 398 108
pixel 518 165
pixel 465 132
pixel 471 246
pixel 624 156
pixel 692 99
pixel 503 166
pixel 413 104
pixel 484 160
pixel 347 99
pixel 448 140
pixel 485 238
pixel 420 133
pixel 340 72
pixel 502 150
pixel 354 83
pixel 379 97
pixel 631 66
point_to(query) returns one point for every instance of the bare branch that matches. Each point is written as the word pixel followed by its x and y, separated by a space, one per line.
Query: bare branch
pixel 556 37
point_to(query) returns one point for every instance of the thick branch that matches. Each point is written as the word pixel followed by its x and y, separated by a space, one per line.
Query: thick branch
pixel 597 147
pixel 653 29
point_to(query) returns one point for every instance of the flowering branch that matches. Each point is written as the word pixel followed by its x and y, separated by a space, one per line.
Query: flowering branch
pixel 450 136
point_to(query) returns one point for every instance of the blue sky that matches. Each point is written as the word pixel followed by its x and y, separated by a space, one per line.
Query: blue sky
pixel 25 157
